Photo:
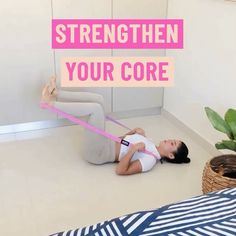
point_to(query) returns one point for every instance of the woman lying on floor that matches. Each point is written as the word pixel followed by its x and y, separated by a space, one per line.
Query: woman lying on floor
pixel 100 150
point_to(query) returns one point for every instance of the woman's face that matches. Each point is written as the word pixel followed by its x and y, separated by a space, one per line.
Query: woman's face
pixel 169 146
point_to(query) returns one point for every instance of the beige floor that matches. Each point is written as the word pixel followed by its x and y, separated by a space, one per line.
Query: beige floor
pixel 46 187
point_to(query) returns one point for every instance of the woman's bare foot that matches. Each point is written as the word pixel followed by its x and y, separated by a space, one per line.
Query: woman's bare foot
pixel 53 86
pixel 46 95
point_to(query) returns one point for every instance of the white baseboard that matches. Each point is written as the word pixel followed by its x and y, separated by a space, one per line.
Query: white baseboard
pixel 30 126
pixel 134 113
pixel 37 125
pixel 194 135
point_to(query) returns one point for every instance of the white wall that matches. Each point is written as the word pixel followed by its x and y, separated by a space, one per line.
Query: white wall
pixel 205 70
pixel 144 97
pixel 27 60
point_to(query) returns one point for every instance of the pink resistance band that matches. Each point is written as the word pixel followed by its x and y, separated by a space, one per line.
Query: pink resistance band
pixel 91 127
pixel 117 122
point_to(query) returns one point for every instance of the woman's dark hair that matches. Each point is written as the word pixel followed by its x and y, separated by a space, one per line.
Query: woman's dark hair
pixel 181 155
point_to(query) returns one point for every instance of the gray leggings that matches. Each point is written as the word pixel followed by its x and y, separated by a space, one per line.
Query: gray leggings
pixel 96 148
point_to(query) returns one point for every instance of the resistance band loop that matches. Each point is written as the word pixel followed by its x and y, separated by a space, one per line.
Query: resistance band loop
pixel 117 122
pixel 91 127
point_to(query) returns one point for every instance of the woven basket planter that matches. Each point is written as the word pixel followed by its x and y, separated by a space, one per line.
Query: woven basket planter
pixel 219 173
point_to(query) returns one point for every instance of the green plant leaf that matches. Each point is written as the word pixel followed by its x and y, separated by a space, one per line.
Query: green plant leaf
pixel 230 118
pixel 220 145
pixel 218 122
pixel 226 144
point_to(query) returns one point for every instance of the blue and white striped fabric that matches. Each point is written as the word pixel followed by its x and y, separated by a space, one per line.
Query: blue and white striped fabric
pixel 213 214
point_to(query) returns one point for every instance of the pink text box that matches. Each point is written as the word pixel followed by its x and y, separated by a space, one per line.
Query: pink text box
pixel 117 72
pixel 114 33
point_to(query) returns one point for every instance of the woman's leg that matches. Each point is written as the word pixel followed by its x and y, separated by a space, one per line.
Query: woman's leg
pixel 96 148
pixel 71 96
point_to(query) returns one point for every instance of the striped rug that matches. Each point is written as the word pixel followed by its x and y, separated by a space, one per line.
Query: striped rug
pixel 213 214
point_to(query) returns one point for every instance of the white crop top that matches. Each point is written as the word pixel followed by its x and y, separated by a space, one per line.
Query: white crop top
pixel 147 161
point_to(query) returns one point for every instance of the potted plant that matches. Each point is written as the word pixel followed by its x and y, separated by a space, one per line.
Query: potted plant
pixel 220 172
